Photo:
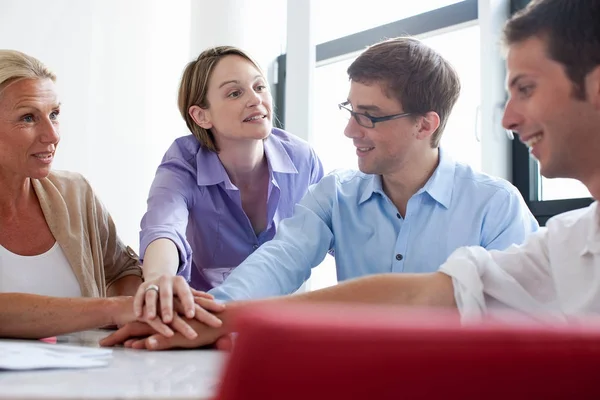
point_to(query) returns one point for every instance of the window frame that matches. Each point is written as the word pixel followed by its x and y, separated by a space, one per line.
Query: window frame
pixel 446 17
pixel 442 18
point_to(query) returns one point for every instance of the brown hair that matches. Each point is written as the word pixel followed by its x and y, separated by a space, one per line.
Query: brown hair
pixel 415 75
pixel 571 31
pixel 194 88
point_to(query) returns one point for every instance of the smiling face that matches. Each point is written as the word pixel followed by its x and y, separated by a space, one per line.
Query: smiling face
pixel 29 129
pixel 560 129
pixel 390 146
pixel 239 102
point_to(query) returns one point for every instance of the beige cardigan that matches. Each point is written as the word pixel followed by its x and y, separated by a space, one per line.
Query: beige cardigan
pixel 85 232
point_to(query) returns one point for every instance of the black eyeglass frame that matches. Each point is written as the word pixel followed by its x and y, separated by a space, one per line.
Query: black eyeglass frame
pixel 373 120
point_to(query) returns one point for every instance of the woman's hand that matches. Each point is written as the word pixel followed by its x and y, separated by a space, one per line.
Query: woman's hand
pixel 156 298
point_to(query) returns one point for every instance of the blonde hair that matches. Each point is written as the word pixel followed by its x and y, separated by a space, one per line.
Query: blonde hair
pixel 15 65
pixel 194 88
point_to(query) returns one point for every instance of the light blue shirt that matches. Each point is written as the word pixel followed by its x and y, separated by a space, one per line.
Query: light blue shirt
pixel 348 212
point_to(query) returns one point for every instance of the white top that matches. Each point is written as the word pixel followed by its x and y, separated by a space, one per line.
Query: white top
pixel 48 274
pixel 556 271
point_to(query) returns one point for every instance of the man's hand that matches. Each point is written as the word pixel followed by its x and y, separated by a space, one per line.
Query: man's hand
pixel 139 335
pixel 122 313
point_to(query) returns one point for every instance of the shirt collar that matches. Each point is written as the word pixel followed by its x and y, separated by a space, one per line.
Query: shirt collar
pixel 439 186
pixel 374 186
pixel 278 157
pixel 441 183
pixel 210 170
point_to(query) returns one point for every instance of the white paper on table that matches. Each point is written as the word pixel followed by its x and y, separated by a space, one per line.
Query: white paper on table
pixel 35 355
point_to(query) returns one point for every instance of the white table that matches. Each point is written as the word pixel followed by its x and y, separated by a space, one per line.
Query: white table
pixel 131 374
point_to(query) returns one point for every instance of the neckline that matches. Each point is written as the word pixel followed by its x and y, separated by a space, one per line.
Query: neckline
pixel 49 251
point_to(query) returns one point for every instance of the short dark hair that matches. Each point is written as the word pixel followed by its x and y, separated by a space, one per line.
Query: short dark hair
pixel 570 30
pixel 415 75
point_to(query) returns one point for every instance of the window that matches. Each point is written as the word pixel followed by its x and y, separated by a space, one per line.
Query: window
pixel 461 49
pixel 331 88
pixel 354 16
pixel 455 38
pixel 459 139
pixel 556 189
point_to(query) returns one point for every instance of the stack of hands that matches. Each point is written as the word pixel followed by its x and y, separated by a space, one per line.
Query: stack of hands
pixel 170 314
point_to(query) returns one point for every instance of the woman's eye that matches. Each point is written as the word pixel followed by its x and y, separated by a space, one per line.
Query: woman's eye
pixel 54 115
pixel 27 118
pixel 261 88
pixel 235 94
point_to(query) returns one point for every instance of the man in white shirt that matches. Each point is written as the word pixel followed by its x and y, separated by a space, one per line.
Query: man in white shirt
pixel 553 62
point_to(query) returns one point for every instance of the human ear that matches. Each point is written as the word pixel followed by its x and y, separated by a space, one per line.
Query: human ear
pixel 201 116
pixel 592 87
pixel 428 125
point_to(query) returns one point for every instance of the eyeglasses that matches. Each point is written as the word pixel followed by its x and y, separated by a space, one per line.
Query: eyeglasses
pixel 366 120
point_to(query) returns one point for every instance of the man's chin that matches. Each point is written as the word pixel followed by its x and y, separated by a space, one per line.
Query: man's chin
pixel 551 171
pixel 367 169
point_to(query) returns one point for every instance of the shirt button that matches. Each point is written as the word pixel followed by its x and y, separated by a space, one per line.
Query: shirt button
pixel 399 257
pixel 131 252
pixel 399 216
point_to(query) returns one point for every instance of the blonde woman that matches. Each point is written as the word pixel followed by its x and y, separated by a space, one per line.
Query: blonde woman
pixel 60 256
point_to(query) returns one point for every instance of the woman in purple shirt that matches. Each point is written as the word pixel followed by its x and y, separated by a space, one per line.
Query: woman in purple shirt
pixel 219 193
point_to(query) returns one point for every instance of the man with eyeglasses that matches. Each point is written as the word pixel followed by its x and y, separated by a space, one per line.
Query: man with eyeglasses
pixel 410 205
pixel 553 65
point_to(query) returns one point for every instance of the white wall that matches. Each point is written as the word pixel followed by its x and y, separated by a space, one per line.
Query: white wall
pixel 495 144
pixel 118 64
pixel 257 26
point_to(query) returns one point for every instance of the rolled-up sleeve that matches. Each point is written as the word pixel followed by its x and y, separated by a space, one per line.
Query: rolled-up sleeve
pixel 169 201
pixel 518 279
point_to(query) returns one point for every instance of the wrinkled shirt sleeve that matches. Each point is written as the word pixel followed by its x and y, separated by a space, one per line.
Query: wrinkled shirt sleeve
pixel 517 279
pixel 316 173
pixel 508 221
pixel 282 265
pixel 169 202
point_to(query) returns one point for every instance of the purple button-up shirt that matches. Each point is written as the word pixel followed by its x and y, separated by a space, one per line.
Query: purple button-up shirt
pixel 193 203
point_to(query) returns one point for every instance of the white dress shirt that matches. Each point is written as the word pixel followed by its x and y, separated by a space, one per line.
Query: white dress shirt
pixel 556 271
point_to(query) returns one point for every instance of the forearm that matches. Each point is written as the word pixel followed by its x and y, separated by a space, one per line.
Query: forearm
pixel 31 316
pixel 161 258
pixel 425 290
pixel 280 266
pixel 434 290
pixel 125 286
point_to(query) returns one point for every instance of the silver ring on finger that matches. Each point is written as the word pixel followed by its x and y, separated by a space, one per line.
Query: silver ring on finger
pixel 151 287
